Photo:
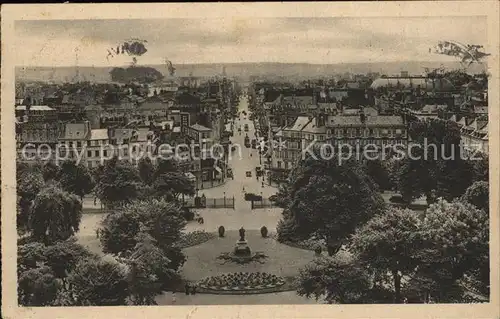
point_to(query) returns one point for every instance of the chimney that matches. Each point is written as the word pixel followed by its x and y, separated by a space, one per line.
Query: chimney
pixel 362 116
pixel 111 132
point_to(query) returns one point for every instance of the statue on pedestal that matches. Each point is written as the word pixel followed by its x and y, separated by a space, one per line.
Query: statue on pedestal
pixel 242 234
pixel 242 248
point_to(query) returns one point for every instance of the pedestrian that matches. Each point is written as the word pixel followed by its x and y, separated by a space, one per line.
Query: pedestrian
pixel 193 290
pixel 186 288
pixel 95 201
pixel 174 299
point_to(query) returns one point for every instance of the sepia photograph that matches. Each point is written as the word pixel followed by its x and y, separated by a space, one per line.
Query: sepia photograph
pixel 244 158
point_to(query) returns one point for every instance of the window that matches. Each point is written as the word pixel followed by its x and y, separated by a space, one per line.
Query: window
pixel 88 143
pixel 90 164
pixel 371 132
pixel 78 144
pixel 89 153
pixel 70 144
pixel 105 152
pixel 97 153
pixel 279 164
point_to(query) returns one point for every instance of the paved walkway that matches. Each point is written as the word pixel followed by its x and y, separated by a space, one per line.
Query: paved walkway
pixel 280 298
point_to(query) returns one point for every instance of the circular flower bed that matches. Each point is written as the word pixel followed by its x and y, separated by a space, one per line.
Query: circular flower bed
pixel 241 281
pixel 194 238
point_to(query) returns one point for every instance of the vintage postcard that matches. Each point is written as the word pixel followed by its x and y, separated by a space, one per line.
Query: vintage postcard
pixel 250 160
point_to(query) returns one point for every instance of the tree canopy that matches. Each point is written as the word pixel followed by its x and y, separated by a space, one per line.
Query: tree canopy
pixel 99 282
pixel 75 179
pixel 478 194
pixel 55 215
pixel 437 253
pixel 118 182
pixel 329 200
pixel 436 167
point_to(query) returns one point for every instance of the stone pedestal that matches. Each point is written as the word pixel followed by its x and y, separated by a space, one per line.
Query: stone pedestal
pixel 242 248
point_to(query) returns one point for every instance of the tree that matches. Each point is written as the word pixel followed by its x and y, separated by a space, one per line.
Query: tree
pixel 146 170
pixel 50 171
pixel 29 256
pixel 379 173
pixel 37 287
pixel 454 244
pixel 99 282
pixel 481 168
pixel 118 183
pixel 478 195
pixel 436 167
pixel 336 280
pixel 118 232
pixel 150 271
pixel 75 179
pixel 63 257
pixel 172 185
pixel 162 220
pixel 330 200
pixel 29 184
pixel 166 166
pixel 55 215
pixel 385 244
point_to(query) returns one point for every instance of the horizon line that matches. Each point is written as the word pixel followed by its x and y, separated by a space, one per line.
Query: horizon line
pixel 234 63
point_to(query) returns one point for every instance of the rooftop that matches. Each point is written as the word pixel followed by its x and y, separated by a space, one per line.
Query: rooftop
pixel 34 108
pixel 312 128
pixel 200 128
pixel 299 123
pixel 75 131
pixel 380 120
pixel 99 134
pixel 426 84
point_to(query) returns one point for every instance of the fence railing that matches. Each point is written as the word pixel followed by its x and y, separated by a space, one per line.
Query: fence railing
pixel 201 202
pixel 264 203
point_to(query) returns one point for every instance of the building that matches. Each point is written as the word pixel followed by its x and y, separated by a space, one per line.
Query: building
pixel 473 134
pixel 429 112
pixel 78 141
pixel 356 131
pixel 207 159
pixel 35 113
pixel 37 133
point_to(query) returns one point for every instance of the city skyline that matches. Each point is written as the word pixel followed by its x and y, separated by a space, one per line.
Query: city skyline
pixel 206 41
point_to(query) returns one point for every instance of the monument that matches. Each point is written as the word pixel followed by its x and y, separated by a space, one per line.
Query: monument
pixel 242 248
pixel 242 253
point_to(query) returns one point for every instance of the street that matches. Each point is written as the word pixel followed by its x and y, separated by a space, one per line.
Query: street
pixel 242 214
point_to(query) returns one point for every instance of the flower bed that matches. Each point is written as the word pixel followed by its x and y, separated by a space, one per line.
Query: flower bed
pixel 309 244
pixel 195 238
pixel 241 260
pixel 241 281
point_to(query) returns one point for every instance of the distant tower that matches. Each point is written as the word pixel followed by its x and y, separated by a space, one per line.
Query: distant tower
pixel 77 72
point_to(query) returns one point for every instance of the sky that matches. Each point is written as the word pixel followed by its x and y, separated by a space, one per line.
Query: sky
pixel 236 40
